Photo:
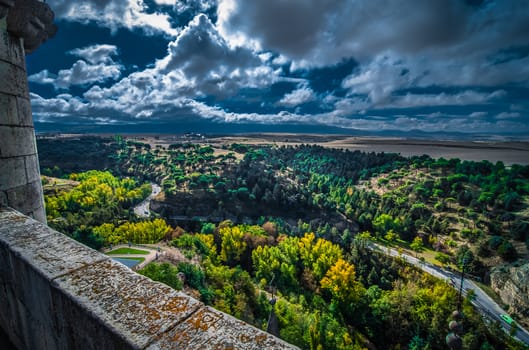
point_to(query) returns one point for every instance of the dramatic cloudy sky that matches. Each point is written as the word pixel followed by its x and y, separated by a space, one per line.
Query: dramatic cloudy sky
pixel 322 65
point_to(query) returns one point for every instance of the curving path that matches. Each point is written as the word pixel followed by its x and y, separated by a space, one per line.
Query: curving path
pixel 483 303
pixel 143 209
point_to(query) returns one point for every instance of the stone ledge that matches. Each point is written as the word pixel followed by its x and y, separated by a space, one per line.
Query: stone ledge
pixel 131 304
pixel 211 329
pixel 56 293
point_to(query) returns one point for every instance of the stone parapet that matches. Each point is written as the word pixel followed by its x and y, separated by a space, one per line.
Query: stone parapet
pixel 56 293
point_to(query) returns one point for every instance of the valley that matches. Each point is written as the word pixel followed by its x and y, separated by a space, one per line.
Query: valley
pixel 294 215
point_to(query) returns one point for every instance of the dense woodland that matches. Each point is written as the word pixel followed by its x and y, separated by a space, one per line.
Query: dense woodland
pixel 294 221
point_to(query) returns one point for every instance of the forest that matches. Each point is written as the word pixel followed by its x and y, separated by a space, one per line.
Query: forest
pixel 293 223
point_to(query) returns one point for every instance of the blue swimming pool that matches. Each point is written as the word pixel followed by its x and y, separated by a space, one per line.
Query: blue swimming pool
pixel 130 263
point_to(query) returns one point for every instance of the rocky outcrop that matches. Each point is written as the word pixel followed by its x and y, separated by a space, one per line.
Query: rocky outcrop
pixel 511 282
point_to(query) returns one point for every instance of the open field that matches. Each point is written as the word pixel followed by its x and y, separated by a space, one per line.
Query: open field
pixel 493 151
pixel 122 251
pixel 509 152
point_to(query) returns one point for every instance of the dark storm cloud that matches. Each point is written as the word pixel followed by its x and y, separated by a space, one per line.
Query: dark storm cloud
pixel 288 26
pixel 332 30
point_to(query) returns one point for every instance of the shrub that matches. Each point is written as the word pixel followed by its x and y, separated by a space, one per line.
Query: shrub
pixel 195 277
pixel 507 251
pixel 442 258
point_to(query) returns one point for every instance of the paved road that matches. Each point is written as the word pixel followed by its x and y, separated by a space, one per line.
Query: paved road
pixel 483 303
pixel 142 209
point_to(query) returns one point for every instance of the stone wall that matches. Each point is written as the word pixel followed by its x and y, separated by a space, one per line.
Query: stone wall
pixel 56 293
pixel 20 185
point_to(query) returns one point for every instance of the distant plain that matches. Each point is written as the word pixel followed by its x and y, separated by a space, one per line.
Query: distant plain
pixel 507 152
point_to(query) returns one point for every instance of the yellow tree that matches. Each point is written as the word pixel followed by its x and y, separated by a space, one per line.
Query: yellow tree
pixel 318 255
pixel 107 232
pixel 232 245
pixel 340 281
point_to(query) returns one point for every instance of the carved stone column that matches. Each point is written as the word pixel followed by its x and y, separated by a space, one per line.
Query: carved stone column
pixel 24 25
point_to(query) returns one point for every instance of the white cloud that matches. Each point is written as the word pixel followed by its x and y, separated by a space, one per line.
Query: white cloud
pixel 297 97
pixel 100 53
pixel 464 98
pixel 209 65
pixel 100 68
pixel 59 106
pixel 508 115
pixel 196 6
pixel 379 79
pixel 81 73
pixel 42 77
pixel 130 14
pixel 478 114
pixel 166 2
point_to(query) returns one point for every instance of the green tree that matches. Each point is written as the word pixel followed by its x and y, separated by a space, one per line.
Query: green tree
pixel 164 272
pixel 417 245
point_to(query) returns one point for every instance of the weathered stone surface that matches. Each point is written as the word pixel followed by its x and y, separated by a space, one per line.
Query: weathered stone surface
pixel 14 80
pixel 137 307
pixel 25 117
pixel 11 50
pixel 512 285
pixel 27 198
pixel 39 214
pixel 8 110
pixel 3 199
pixel 16 176
pixel 211 329
pixel 52 253
pixel 30 255
pixel 31 164
pixel 17 141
